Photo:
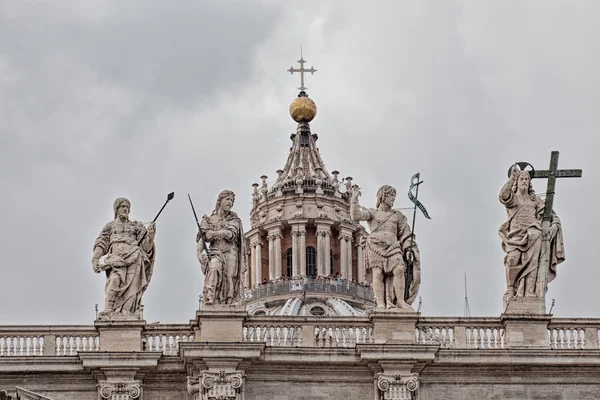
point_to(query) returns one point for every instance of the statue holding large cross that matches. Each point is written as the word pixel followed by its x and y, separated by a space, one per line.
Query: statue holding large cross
pixel 532 235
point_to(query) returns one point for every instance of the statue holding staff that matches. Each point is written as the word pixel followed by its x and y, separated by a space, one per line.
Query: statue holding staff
pixel 522 236
pixel 389 248
pixel 129 253
pixel 224 264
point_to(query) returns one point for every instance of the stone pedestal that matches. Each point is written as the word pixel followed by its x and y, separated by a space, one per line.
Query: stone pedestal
pixel 395 326
pixel 119 374
pixel 220 323
pixel 120 335
pixel 525 305
pixel 526 330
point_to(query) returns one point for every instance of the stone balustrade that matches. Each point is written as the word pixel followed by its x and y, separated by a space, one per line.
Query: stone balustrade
pixel 308 331
pixel 37 340
pixel 309 285
pixel 574 333
pixel 464 333
pixel 305 331
pixel 166 337
pixel 273 331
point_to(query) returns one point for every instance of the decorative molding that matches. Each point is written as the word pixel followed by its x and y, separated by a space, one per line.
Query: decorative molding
pixel 128 390
pixel 397 386
pixel 217 386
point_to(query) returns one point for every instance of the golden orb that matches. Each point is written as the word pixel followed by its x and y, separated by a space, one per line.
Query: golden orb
pixel 303 109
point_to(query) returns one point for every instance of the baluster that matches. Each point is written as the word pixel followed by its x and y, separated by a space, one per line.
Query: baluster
pixel 244 334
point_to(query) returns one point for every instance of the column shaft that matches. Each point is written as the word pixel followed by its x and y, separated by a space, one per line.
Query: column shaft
pixel 349 259
pixel 343 257
pixel 253 263
pixel 295 254
pixel 303 253
pixel 360 255
pixel 277 255
pixel 258 262
pixel 271 257
pixel 327 252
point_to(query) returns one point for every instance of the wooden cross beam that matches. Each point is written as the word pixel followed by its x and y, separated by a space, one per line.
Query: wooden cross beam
pixel 551 174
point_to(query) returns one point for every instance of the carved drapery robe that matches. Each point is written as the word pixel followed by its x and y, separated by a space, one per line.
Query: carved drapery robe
pixel 132 263
pixel 223 278
pixel 522 231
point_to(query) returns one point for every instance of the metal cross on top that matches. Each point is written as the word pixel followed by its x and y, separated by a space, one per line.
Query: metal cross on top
pixel 302 70
pixel 551 174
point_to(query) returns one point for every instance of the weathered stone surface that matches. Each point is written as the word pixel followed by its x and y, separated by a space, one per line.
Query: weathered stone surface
pixel 224 266
pixel 391 253
pixel 128 251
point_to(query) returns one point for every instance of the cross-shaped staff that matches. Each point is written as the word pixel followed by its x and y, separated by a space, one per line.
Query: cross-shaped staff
pixel 551 174
pixel 302 70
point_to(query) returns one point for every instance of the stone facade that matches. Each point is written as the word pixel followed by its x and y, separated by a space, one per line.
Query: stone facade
pixel 306 338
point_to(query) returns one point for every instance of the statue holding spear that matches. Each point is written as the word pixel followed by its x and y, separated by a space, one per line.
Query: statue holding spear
pixel 392 259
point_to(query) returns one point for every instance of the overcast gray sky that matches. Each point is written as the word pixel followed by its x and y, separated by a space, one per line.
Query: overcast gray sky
pixel 140 98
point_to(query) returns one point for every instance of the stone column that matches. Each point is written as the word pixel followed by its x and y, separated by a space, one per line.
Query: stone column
pixel 345 236
pixel 323 246
pixel 278 271
pixel 302 251
pixel 298 232
pixel 295 260
pixel 274 236
pixel 343 256
pixel 271 239
pixel 258 262
pixel 360 257
pixel 253 263
pixel 320 261
pixel 327 251
pixel 349 257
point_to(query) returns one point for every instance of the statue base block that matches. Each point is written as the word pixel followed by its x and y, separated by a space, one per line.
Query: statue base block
pixel 220 323
pixel 526 330
pixel 120 334
pixel 525 305
pixel 395 326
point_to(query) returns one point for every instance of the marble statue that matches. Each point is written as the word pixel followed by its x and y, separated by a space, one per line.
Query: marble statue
pixel 390 251
pixel 128 253
pixel 225 263
pixel 522 236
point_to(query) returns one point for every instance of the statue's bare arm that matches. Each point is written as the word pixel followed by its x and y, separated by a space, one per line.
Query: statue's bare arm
pixel 506 194
pixel 356 212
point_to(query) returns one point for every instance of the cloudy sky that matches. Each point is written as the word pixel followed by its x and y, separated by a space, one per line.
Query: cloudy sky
pixel 140 98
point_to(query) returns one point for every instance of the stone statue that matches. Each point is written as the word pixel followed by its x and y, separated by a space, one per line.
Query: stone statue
pixel 392 259
pixel 225 264
pixel 522 236
pixel 129 253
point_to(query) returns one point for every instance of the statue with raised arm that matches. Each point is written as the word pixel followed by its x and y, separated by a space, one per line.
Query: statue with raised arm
pixel 129 252
pixel 522 236
pixel 225 264
pixel 389 248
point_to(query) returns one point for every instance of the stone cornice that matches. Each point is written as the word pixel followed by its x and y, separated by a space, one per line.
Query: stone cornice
pixel 125 359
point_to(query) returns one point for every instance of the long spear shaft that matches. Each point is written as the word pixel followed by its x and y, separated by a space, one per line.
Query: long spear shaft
pixel 170 197
pixel 198 223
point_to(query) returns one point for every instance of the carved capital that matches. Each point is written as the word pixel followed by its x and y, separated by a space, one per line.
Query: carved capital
pixel 397 386
pixel 217 385
pixel 347 238
pixel 127 390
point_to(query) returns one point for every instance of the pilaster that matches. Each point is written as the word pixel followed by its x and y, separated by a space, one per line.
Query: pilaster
pixel 298 233
pixel 323 246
